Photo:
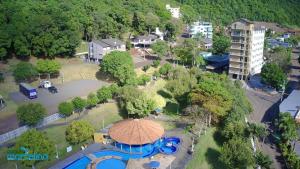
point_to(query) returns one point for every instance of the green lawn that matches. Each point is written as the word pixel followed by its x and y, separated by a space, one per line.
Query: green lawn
pixel 108 112
pixel 207 152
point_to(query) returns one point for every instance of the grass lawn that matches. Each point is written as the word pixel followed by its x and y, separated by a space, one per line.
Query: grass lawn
pixel 207 152
pixel 109 112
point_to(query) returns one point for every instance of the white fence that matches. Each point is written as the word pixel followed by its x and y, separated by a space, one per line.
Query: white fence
pixel 19 131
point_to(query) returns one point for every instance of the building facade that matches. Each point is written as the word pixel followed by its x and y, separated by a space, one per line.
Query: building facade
pixel 99 48
pixel 246 51
pixel 205 28
pixel 175 12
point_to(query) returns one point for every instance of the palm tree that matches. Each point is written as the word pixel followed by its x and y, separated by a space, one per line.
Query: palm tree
pixel 287 127
pixel 258 130
pixel 264 161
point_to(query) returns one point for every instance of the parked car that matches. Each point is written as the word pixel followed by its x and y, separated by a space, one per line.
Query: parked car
pixel 45 84
pixel 52 89
pixel 28 90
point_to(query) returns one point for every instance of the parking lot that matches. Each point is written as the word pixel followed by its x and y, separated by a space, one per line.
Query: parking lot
pixel 51 101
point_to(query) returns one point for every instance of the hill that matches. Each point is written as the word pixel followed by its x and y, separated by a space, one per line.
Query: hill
pixel 225 11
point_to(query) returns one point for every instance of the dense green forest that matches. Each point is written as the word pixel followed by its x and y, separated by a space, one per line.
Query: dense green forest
pixel 286 12
pixel 55 28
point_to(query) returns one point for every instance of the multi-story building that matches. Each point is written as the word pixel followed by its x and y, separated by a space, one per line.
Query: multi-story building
pixel 175 12
pixel 205 28
pixel 246 51
pixel 99 48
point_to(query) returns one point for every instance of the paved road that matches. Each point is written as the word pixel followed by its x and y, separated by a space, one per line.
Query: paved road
pixel 266 108
pixel 50 101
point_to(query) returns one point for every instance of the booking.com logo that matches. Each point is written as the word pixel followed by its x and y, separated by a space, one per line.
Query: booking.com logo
pixel 26 156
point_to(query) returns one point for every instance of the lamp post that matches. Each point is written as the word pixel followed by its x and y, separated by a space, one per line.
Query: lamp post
pixel 56 151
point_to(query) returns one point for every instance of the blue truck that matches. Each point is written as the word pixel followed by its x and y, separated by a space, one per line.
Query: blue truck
pixel 28 90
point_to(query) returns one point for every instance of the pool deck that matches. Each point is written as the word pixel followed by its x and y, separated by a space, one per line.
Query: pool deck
pixel 177 161
pixel 164 160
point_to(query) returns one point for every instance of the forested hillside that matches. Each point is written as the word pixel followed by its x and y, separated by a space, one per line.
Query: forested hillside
pixel 52 28
pixel 55 28
pixel 286 12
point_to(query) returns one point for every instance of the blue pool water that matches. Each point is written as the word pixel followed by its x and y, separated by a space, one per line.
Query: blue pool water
pixel 111 164
pixel 166 145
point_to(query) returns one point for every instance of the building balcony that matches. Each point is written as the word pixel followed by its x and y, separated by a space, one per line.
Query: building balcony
pixel 238 41
pixel 236 53
pixel 234 65
pixel 238 34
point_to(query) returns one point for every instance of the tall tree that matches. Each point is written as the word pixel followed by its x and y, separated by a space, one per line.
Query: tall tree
pixel 35 142
pixel 237 153
pixel 273 75
pixel 79 131
pixel 120 66
pixel 31 114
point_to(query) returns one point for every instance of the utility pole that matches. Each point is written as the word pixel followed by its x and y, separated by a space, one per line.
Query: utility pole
pixel 283 89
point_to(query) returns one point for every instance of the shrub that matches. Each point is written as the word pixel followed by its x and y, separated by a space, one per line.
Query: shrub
pixel 31 113
pixel 165 69
pixel 66 109
pixel 79 131
pixel 104 94
pixel 48 66
pixel 156 63
pixel 143 79
pixel 146 67
pixel 24 71
pixel 156 74
pixel 79 104
pixel 92 100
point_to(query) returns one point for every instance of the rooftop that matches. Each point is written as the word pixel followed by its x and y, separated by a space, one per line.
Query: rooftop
pixel 112 42
pixel 291 104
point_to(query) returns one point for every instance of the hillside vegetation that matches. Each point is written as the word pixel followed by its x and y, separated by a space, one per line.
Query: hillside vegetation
pixel 225 11
pixel 55 28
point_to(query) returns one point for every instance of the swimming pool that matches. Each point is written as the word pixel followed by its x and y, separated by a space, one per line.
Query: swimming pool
pixel 165 145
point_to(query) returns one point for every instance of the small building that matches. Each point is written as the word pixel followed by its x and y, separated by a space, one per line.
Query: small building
pixel 292 105
pixel 175 12
pixel 99 48
pixel 205 28
pixel 274 43
pixel 144 40
pixel 208 43
pixel 158 33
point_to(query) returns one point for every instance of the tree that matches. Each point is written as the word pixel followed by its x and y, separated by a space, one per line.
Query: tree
pixel 30 114
pixel 143 79
pixel 24 71
pixel 48 66
pixel 287 127
pixel 136 103
pixel 79 104
pixel 66 109
pixel 213 96
pixel 103 94
pixel 237 153
pixel 273 75
pixel 165 69
pixel 264 161
pixel 170 31
pixel 234 129
pixel 280 56
pixel 156 63
pixel 180 84
pixel 257 130
pixel 35 142
pixel 120 66
pixel 221 44
pixel 79 131
pixel 92 100
pixel 160 48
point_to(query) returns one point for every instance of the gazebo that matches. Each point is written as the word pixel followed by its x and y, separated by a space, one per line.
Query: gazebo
pixel 136 132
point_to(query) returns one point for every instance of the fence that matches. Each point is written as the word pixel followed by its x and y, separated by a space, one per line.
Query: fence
pixel 19 131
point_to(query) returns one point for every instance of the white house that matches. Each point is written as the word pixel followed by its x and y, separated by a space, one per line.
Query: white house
pixel 175 12
pixel 205 28
pixel 158 33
